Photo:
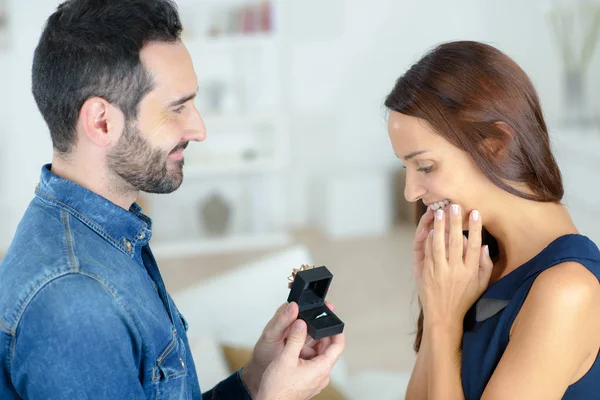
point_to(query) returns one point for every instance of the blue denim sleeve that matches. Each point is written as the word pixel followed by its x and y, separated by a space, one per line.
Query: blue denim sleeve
pixel 74 341
pixel 232 388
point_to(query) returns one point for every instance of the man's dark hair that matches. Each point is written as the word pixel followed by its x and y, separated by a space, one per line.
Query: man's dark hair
pixel 92 48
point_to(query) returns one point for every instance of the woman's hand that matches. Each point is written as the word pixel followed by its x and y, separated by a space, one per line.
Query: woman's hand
pixel 451 280
pixel 423 228
pixel 425 225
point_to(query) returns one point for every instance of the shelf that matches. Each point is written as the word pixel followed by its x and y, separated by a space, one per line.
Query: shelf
pixel 249 40
pixel 226 244
pixel 234 168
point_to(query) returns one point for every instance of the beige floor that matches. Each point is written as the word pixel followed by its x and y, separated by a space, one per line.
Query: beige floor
pixel 373 291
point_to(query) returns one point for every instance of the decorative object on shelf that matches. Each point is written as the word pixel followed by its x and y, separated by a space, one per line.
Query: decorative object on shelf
pixel 216 215
pixel 576 26
pixel 250 155
pixel 247 18
pixel 218 97
pixel 214 93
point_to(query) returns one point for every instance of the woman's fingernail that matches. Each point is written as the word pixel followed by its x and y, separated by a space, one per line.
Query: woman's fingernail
pixel 475 215
pixel 487 250
pixel 431 233
pixel 455 209
pixel 439 215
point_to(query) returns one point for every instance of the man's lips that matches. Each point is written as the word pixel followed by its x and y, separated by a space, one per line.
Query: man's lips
pixel 177 152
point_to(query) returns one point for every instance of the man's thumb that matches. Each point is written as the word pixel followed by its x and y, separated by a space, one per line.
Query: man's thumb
pixel 295 340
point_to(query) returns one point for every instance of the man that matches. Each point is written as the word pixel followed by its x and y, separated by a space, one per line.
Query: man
pixel 84 313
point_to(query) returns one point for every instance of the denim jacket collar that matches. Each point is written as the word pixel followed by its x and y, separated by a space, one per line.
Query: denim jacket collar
pixel 123 229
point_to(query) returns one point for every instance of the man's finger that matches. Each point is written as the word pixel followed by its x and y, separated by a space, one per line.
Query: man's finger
pixel 308 353
pixel 295 340
pixel 277 326
pixel 310 342
pixel 334 351
pixel 329 305
pixel 323 344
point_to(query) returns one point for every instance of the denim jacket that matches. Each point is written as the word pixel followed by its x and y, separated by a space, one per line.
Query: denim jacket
pixel 84 313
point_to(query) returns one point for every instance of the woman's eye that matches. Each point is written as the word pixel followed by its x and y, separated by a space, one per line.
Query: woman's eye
pixel 425 169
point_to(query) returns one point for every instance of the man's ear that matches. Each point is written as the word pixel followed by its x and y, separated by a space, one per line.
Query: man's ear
pixel 101 122
pixel 498 145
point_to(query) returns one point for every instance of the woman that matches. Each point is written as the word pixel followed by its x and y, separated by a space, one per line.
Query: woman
pixel 512 312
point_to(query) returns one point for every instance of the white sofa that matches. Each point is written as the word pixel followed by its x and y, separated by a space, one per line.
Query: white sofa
pixel 234 307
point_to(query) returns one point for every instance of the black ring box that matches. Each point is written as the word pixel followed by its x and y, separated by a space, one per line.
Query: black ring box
pixel 309 290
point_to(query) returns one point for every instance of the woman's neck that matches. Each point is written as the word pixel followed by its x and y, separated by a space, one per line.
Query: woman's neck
pixel 522 229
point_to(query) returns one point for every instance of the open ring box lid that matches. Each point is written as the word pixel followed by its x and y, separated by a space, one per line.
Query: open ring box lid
pixel 309 290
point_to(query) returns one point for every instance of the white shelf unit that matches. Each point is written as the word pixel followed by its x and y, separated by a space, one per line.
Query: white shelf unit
pixel 246 153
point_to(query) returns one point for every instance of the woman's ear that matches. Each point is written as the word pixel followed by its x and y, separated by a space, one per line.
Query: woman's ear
pixel 497 146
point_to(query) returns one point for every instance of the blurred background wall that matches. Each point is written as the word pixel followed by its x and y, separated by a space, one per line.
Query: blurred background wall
pixel 297 154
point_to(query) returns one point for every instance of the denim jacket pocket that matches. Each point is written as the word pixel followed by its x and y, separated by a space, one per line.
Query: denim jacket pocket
pixel 169 372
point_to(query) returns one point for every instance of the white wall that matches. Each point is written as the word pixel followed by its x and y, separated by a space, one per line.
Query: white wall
pixel 25 136
pixel 339 83
pixel 4 132
pixel 521 30
pixel 344 56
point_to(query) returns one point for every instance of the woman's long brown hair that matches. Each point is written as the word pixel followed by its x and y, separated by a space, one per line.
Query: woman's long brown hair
pixel 481 101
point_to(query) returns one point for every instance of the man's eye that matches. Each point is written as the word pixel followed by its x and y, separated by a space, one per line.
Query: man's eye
pixel 179 110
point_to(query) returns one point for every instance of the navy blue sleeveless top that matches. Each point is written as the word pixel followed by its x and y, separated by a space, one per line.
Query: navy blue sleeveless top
pixel 488 322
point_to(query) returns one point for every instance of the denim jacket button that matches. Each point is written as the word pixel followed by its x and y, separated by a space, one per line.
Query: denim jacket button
pixel 127 244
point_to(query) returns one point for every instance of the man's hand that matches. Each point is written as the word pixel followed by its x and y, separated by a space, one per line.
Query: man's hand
pixel 291 377
pixel 273 341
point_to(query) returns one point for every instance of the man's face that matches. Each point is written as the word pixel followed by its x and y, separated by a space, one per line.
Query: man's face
pixel 149 154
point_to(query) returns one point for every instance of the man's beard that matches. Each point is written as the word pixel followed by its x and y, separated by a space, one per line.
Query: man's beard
pixel 142 167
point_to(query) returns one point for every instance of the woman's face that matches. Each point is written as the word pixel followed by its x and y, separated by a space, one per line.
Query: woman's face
pixel 437 172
